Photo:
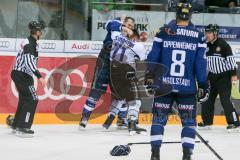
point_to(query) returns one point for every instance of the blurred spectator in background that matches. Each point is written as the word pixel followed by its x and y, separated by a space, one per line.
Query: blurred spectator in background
pixel 124 7
pixel 106 8
pixel 109 7
pixel 101 7
pixel 55 27
pixel 222 3
pixel 221 6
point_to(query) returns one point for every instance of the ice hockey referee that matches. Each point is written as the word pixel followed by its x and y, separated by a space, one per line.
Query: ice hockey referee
pixel 222 71
pixel 22 75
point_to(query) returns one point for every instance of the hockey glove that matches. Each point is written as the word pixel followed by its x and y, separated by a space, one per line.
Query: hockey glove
pixel 148 83
pixel 136 58
pixel 121 150
pixel 107 47
pixel 168 30
pixel 203 93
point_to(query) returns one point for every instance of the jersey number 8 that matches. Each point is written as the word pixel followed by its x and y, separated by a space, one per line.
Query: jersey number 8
pixel 178 62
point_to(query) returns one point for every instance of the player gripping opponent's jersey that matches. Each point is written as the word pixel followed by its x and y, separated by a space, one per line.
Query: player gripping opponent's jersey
pixel 102 69
pixel 123 56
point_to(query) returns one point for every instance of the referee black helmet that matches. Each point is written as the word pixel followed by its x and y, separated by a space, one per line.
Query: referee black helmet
pixel 35 26
pixel 212 28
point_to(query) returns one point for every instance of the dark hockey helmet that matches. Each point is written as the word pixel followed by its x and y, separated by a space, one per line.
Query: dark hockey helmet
pixel 212 28
pixel 184 11
pixel 35 26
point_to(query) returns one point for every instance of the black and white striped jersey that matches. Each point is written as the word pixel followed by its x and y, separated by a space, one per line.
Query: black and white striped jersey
pixel 220 58
pixel 27 58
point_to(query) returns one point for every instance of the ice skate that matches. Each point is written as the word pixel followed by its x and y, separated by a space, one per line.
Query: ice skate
pixel 134 129
pixel 122 123
pixel 233 128
pixel 155 155
pixel 24 132
pixel 203 126
pixel 83 124
pixel 108 122
pixel 187 154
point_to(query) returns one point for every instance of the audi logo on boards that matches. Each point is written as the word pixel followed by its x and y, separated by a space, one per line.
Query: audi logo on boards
pixel 96 46
pixel 65 80
pixel 4 44
pixel 48 45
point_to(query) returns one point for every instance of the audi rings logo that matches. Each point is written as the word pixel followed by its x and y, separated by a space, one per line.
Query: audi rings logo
pixel 48 45
pixel 64 81
pixel 4 44
pixel 96 46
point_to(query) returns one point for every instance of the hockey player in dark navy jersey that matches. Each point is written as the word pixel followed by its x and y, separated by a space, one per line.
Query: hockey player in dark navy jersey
pixel 181 48
pixel 22 75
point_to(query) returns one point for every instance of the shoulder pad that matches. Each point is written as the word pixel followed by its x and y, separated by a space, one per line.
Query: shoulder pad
pixel 28 49
pixel 165 30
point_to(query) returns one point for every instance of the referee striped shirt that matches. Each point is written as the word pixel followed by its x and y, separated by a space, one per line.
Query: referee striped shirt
pixel 27 58
pixel 220 58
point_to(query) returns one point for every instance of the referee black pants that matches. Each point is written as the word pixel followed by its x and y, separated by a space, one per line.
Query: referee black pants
pixel 27 100
pixel 220 85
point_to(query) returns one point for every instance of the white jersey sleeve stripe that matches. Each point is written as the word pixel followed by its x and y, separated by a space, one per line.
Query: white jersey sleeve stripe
pixel 203 45
pixel 158 39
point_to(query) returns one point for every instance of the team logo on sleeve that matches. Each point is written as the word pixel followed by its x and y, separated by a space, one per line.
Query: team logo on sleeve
pixel 218 49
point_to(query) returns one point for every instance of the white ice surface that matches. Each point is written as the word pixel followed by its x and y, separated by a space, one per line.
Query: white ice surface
pixel 66 142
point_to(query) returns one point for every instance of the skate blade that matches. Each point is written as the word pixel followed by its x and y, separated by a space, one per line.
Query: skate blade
pixel 122 127
pixel 13 131
pixel 132 133
pixel 105 129
pixel 24 135
pixel 81 128
pixel 234 130
pixel 205 128
pixel 144 133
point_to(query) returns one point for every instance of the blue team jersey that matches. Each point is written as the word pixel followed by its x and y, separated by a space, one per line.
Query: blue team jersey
pixel 183 54
pixel 112 25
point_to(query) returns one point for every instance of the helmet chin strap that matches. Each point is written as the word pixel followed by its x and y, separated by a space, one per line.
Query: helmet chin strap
pixel 35 36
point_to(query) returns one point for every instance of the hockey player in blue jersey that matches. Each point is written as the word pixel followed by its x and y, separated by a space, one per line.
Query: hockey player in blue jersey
pixel 101 74
pixel 181 48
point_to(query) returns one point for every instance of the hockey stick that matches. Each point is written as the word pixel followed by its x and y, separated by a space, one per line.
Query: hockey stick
pixel 167 142
pixel 201 138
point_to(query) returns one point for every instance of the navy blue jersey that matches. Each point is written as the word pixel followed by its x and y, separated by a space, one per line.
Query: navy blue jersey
pixel 184 55
pixel 112 25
